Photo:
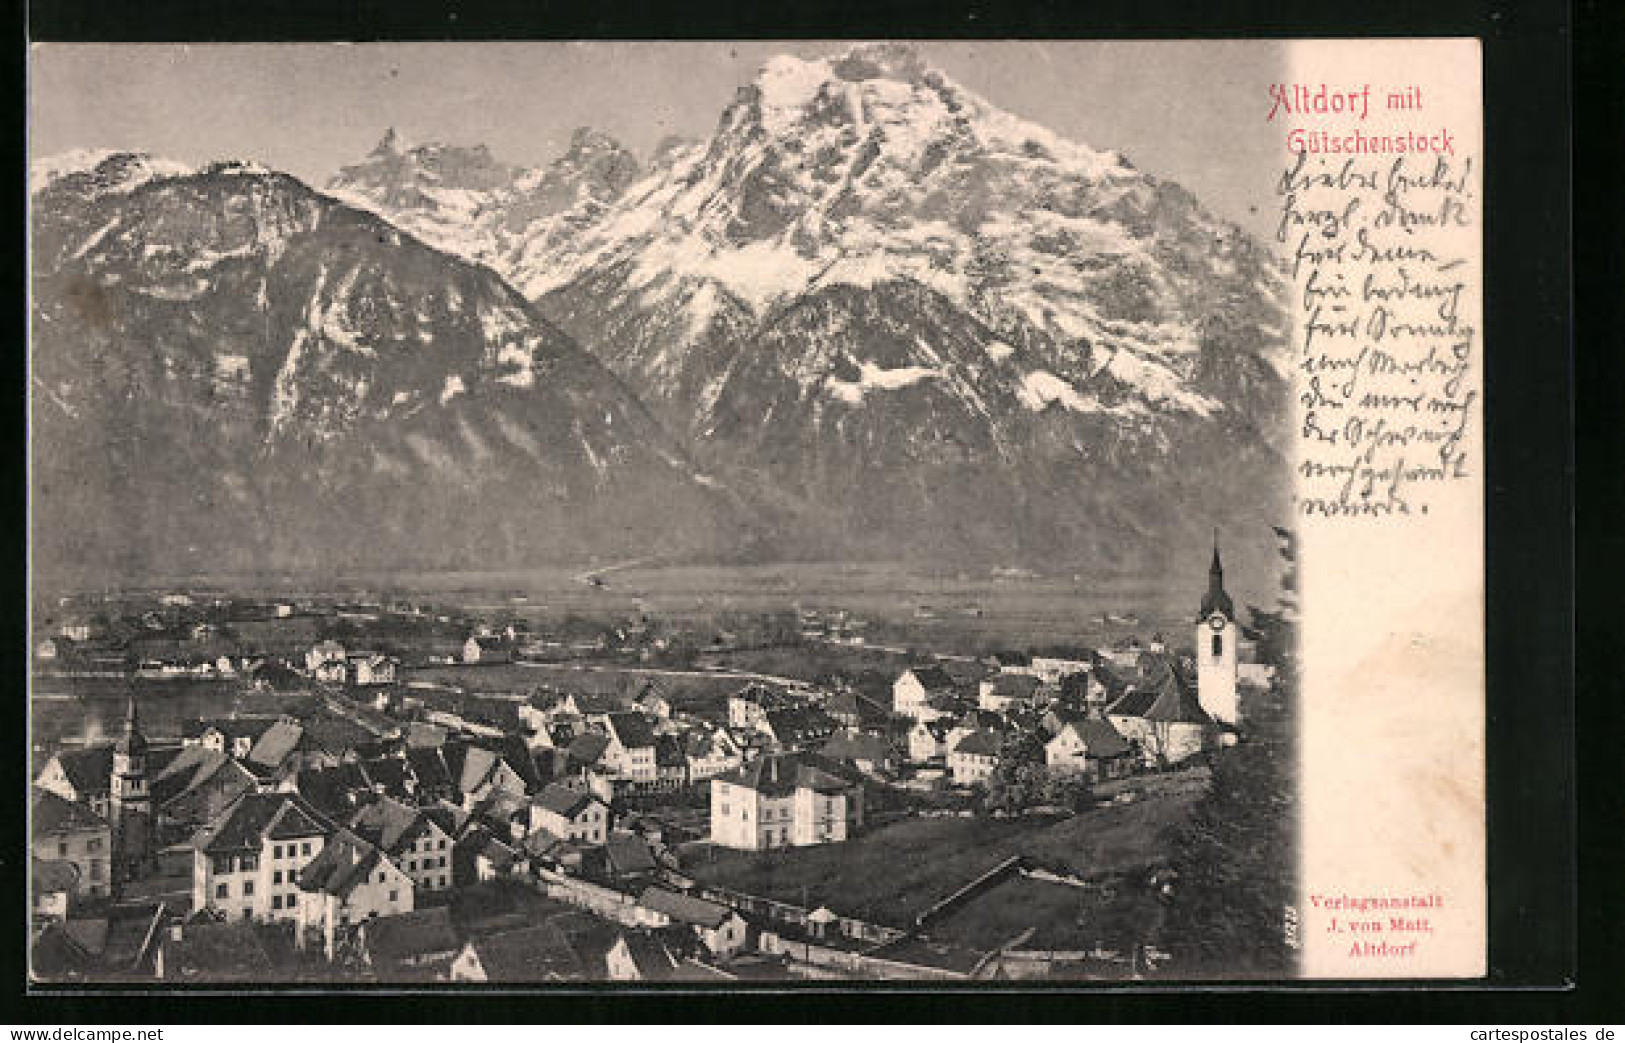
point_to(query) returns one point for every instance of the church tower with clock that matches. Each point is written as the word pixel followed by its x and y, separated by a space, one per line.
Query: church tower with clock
pixel 1216 635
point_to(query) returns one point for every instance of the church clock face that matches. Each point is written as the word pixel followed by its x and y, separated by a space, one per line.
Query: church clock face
pixel 1216 621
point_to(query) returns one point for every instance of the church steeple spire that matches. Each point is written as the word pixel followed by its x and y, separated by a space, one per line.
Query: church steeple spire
pixel 132 742
pixel 1216 600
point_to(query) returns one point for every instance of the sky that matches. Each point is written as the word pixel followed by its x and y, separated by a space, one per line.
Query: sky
pixel 1189 111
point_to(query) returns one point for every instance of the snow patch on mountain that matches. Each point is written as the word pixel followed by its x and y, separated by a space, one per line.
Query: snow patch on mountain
pixel 118 171
pixel 874 378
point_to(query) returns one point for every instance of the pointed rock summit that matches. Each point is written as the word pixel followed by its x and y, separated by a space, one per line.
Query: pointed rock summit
pixel 389 145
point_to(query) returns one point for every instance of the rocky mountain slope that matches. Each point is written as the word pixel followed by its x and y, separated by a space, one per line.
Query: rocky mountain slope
pixel 909 323
pixel 231 371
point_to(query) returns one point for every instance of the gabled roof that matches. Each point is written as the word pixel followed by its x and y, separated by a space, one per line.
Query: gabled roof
pixel 800 723
pixel 256 817
pixel 389 824
pixel 629 856
pixel 449 817
pixel 650 956
pixel 685 908
pixel 531 954
pixel 933 678
pixel 276 743
pixel 477 766
pixel 220 775
pixel 588 748
pixel 425 735
pixel 345 862
pixel 428 767
pixel 1100 738
pixel 53 814
pixel 1015 686
pixel 414 935
pixel 1161 693
pixel 329 789
pixel 703 742
pixel 857 746
pixel 782 774
pixel 89 769
pixel 597 702
pixel 389 774
pixel 979 743
pixel 633 730
pixel 562 800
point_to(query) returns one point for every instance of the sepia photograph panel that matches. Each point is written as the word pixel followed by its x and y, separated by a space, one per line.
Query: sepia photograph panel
pixel 731 512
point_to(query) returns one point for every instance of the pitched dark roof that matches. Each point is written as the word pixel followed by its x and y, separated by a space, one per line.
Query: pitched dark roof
pixel 256 817
pixel 345 862
pixel 428 767
pixel 782 774
pixel 650 956
pixel 388 774
pixel 587 748
pixel 53 814
pixel 597 702
pixel 801 724
pixel 933 678
pixel 389 824
pixel 329 789
pixel 276 743
pixel 634 730
pixel 857 746
pixel 565 801
pixel 1162 692
pixel 979 743
pixel 684 908
pixel 630 855
pixel 1015 686
pixel 89 769
pixel 540 953
pixel 1099 737
pixel 414 935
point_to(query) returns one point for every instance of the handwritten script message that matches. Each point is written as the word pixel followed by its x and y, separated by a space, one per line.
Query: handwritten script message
pixel 1386 345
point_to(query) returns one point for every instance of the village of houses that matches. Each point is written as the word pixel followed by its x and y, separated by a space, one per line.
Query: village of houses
pixel 366 815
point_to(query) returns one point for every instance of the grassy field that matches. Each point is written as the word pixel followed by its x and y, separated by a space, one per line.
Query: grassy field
pixel 812 661
pixel 894 873
pixel 1053 916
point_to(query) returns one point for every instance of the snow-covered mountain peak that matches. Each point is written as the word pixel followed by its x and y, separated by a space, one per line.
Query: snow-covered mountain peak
pixel 102 170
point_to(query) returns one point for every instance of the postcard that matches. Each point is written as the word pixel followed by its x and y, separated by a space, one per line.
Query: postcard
pixel 800 511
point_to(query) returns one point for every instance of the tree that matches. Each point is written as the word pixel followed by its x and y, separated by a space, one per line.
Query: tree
pixel 1069 790
pixel 1019 778
pixel 1234 859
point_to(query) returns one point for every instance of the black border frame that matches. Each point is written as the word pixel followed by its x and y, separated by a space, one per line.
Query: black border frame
pixel 1538 941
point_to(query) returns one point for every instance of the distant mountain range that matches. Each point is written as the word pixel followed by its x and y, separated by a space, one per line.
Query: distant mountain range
pixel 872 316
